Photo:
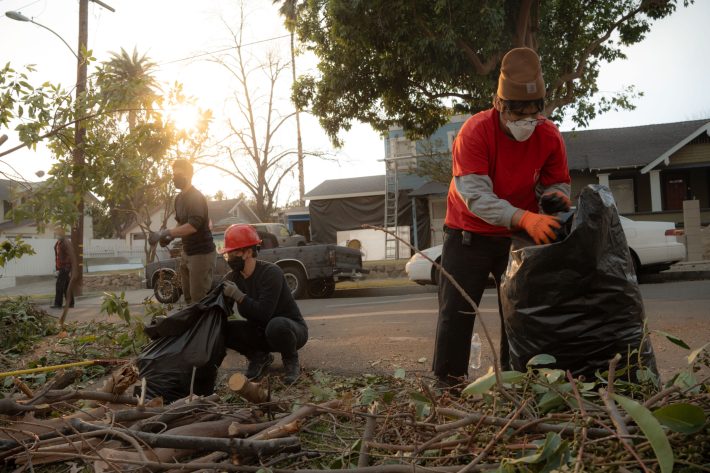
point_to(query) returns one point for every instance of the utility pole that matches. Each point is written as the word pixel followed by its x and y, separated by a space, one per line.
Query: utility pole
pixel 77 231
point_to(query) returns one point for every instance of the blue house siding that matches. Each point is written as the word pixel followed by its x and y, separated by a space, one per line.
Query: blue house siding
pixel 438 143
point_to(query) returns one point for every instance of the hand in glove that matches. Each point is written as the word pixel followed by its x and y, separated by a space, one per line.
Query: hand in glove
pixel 232 291
pixel 540 227
pixel 163 237
pixel 555 201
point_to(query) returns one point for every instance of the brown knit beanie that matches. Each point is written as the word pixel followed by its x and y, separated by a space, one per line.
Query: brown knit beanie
pixel 521 76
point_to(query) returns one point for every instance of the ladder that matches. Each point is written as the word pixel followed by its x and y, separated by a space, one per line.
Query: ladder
pixel 391 209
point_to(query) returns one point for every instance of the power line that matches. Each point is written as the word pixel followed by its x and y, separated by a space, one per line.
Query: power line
pixel 223 50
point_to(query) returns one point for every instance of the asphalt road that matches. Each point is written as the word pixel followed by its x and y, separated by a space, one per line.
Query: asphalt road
pixel 378 330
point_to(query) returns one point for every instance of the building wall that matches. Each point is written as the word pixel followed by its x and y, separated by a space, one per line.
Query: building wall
pixel 440 141
pixel 580 180
pixel 692 153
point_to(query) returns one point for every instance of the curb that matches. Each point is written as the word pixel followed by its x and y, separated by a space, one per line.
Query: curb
pixel 671 276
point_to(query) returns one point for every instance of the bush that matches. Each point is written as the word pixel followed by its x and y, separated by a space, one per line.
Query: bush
pixel 21 324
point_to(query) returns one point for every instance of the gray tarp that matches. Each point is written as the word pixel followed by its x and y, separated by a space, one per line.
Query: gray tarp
pixel 330 216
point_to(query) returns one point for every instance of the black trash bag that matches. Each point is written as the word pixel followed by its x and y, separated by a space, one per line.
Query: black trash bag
pixel 192 337
pixel 577 299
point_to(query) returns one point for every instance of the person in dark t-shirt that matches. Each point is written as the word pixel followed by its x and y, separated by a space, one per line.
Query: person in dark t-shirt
pixel 198 250
pixel 273 320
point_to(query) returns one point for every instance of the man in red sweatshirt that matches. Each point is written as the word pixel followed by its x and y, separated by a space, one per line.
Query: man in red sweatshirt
pixel 504 160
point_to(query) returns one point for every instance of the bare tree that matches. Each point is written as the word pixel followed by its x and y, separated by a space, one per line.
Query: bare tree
pixel 253 156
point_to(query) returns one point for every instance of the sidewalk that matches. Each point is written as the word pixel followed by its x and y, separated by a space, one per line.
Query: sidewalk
pixel 87 307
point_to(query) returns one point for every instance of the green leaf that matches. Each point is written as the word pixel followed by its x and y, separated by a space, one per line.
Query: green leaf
pixel 485 382
pixel 541 359
pixel 694 354
pixel 686 380
pixel 652 429
pixel 551 376
pixel 419 397
pixel 673 339
pixel 399 373
pixel 681 417
pixel 553 443
pixel 368 396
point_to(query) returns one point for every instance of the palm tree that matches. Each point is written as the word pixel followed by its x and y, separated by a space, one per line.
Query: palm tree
pixel 127 83
pixel 289 10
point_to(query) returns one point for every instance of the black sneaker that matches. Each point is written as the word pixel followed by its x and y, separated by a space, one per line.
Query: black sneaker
pixel 258 363
pixel 291 368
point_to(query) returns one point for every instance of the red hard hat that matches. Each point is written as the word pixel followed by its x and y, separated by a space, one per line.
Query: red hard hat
pixel 238 236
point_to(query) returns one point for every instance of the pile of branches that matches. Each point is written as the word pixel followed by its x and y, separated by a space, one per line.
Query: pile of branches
pixel 541 420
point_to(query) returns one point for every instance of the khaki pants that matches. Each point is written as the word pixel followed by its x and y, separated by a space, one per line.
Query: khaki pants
pixel 196 274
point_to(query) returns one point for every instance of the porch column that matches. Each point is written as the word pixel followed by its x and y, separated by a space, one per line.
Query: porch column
pixel 415 233
pixel 603 179
pixel 656 205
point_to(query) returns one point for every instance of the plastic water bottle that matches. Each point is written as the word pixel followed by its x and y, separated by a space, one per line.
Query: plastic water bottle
pixel 475 351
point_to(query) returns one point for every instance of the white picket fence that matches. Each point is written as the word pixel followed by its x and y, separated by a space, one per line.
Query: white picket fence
pixel 99 255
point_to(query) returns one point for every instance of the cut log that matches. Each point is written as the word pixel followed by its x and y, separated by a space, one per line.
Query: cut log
pixel 79 447
pixel 301 413
pixel 252 392
pixel 245 430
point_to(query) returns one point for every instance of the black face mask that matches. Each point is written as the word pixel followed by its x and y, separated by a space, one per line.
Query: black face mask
pixel 180 182
pixel 237 264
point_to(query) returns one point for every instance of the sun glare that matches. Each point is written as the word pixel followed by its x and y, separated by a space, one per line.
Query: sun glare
pixel 183 116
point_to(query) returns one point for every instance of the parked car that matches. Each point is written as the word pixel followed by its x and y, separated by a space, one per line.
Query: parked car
pixel 284 236
pixel 653 245
pixel 310 270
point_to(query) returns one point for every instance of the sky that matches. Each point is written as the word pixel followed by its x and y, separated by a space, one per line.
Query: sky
pixel 670 66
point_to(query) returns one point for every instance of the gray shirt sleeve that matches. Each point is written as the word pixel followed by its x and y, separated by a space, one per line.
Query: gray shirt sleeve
pixel 560 186
pixel 477 192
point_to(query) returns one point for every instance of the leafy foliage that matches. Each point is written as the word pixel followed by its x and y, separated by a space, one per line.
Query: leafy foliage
pixel 128 147
pixel 10 250
pixel 414 62
pixel 22 324
pixel 114 304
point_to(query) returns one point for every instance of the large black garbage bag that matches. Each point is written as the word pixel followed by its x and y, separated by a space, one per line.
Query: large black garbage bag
pixel 192 337
pixel 577 299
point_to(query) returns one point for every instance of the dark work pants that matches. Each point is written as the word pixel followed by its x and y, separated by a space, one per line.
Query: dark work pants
pixel 61 286
pixel 281 335
pixel 470 266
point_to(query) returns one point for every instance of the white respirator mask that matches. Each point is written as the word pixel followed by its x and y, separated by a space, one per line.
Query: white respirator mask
pixel 522 129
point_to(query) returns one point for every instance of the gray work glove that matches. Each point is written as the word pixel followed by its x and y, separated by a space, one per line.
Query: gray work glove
pixel 232 291
pixel 163 237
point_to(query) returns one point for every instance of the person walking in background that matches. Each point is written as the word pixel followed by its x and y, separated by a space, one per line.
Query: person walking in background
pixel 504 158
pixel 62 266
pixel 198 250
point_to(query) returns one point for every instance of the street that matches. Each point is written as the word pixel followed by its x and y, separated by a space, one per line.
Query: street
pixel 380 330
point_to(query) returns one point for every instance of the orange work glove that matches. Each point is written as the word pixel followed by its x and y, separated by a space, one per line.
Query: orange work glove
pixel 540 227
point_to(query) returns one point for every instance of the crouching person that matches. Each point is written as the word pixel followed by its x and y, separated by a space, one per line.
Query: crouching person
pixel 273 320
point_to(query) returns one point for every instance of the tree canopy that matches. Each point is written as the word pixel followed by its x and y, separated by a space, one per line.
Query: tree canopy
pixel 414 62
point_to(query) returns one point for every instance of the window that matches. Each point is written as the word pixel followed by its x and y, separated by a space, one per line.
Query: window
pixel 400 147
pixel 623 192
